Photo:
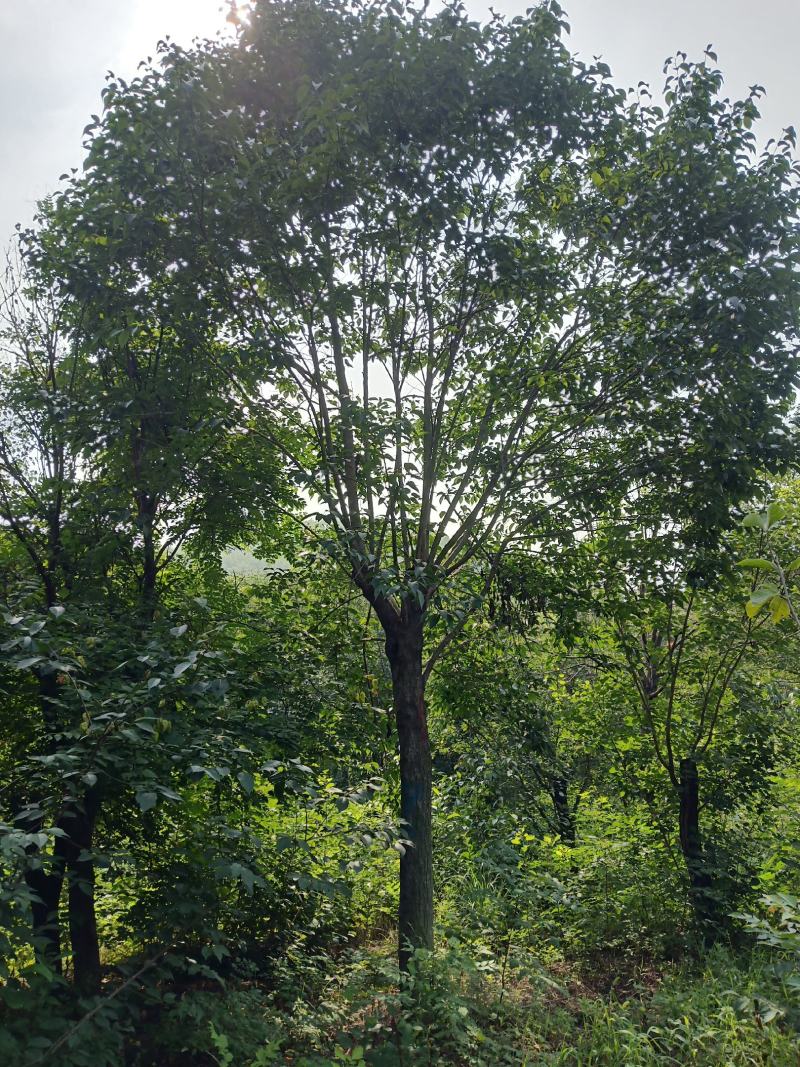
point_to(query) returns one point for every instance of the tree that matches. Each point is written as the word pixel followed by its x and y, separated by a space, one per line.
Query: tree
pixel 504 696
pixel 466 272
pixel 112 460
pixel 667 617
pixel 773 574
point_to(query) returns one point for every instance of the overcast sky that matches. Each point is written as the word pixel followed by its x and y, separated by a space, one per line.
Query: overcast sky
pixel 54 55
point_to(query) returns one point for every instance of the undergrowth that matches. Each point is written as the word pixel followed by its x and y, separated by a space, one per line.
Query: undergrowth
pixel 458 1006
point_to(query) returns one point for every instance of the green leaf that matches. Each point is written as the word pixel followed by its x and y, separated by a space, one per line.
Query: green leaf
pixel 763 594
pixel 755 518
pixel 775 512
pixel 779 608
pixel 765 520
pixel 146 800
pixel 29 661
pixel 757 564
pixel 244 874
pixel 759 598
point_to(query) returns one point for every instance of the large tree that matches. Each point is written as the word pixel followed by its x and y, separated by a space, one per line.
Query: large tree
pixel 479 284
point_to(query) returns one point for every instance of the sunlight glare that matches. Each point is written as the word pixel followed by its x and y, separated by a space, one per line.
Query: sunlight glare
pixel 180 20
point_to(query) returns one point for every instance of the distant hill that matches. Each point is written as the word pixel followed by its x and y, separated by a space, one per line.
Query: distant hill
pixel 246 565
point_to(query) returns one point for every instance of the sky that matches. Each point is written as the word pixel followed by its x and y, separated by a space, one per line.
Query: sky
pixel 54 55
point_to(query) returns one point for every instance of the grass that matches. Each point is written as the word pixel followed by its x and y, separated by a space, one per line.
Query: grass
pixel 731 1011
pixel 462 1006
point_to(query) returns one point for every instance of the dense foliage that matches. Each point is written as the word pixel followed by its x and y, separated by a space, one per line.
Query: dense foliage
pixel 399 527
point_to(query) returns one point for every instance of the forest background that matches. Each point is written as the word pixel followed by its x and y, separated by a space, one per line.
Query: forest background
pixel 491 364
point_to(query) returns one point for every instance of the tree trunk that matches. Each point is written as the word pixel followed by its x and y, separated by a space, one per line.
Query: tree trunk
pixel 692 844
pixel 71 859
pixel 46 887
pixel 81 903
pixel 415 920
pixel 146 518
pixel 46 882
pixel 565 817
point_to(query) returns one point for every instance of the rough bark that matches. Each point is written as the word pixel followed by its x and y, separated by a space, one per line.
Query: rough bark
pixel 415 919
